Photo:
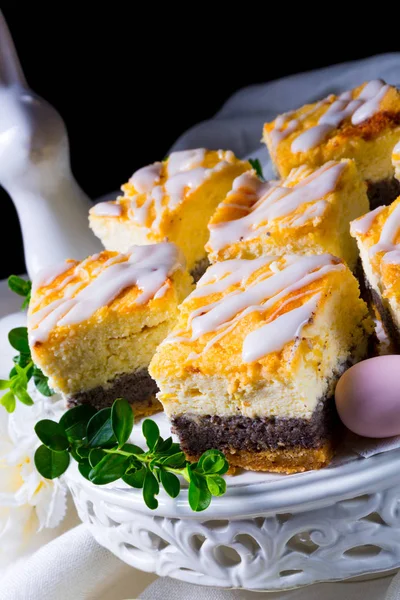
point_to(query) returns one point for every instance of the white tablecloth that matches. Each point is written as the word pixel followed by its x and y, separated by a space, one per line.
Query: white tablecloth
pixel 73 566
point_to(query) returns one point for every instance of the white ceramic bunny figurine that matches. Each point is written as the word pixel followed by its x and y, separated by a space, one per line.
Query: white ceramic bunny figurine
pixel 35 170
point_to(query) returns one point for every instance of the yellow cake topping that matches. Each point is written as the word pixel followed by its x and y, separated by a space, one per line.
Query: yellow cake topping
pixel 262 337
pixel 246 316
pixel 337 127
pixel 378 236
pixel 94 321
pixel 308 212
pixel 78 291
pixel 170 200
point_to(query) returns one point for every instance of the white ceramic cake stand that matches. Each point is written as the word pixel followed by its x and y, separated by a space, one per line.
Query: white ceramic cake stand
pixel 269 532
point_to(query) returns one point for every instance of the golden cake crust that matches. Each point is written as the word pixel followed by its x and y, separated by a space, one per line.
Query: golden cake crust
pixel 345 140
pixel 280 460
pixel 219 352
pixel 78 276
pixel 317 222
pixel 92 322
pixel 175 201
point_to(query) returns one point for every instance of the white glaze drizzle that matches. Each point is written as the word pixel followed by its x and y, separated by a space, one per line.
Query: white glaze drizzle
pixel 363 224
pixel 146 267
pixel 273 201
pixel 217 278
pixel 221 316
pixel 176 185
pixel 273 336
pixel 185 175
pixel 280 132
pixel 146 178
pixel 186 160
pixel 359 110
pixel 388 234
pixel 47 275
pixel 106 209
pixel 392 257
pixel 372 95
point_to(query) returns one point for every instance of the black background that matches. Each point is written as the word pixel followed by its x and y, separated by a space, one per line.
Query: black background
pixel 129 82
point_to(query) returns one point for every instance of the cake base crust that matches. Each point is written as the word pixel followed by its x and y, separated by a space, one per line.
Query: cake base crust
pixel 283 445
pixel 286 460
pixel 383 192
pixel 138 388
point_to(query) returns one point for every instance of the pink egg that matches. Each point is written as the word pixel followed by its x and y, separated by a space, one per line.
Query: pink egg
pixel 368 397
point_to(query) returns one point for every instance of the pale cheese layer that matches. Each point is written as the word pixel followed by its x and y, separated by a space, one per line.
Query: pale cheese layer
pixel 205 367
pixel 307 213
pixel 92 321
pixel 171 200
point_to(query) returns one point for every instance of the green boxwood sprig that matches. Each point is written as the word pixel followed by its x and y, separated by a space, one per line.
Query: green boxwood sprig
pixel 21 373
pixel 98 442
pixel 24 368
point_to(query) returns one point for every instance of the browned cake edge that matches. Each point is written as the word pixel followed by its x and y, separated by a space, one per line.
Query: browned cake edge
pixel 285 460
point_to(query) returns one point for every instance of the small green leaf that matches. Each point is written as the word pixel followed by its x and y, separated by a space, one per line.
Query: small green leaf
pixel 122 420
pixel 175 460
pixel 51 464
pixel 150 432
pixel 75 420
pixel 99 429
pixel 23 360
pixel 4 384
pixel 132 449
pixel 110 468
pixel 95 456
pixel 84 469
pixel 22 395
pixel 255 163
pixel 163 446
pixel 8 401
pixel 52 435
pixel 213 461
pixel 19 286
pixel 216 485
pixel 135 478
pixel 199 497
pixel 20 378
pixel 42 382
pixel 174 449
pixel 18 339
pixel 150 489
pixel 199 494
pixel 170 483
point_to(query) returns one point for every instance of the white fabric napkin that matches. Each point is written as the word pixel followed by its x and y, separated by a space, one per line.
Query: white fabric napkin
pixel 74 565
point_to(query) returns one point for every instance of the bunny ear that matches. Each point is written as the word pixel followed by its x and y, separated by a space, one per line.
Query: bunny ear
pixel 10 68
